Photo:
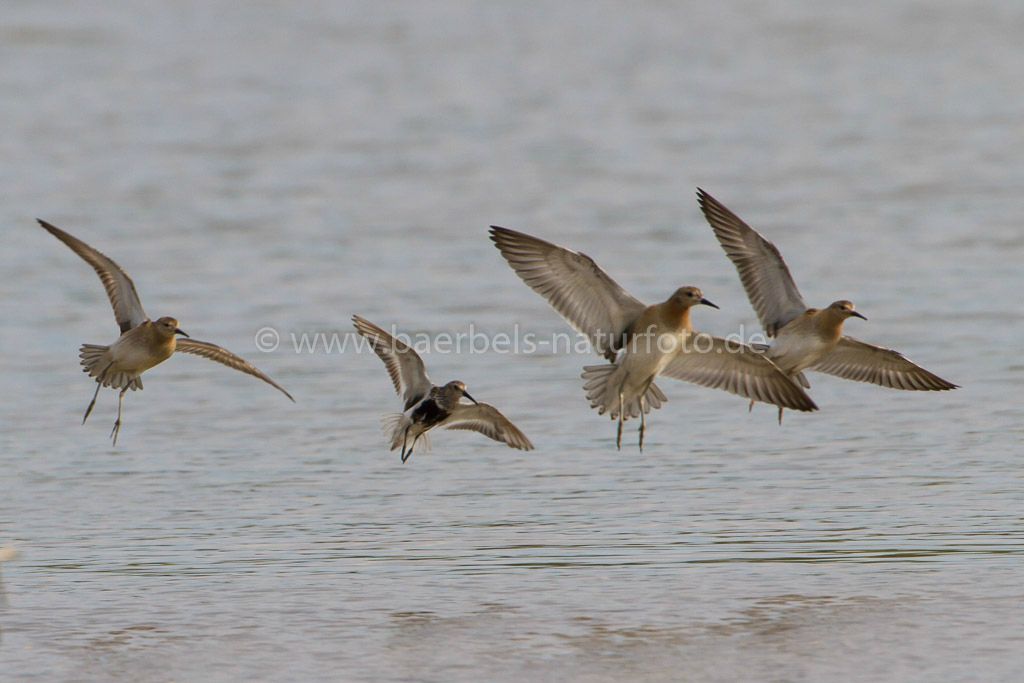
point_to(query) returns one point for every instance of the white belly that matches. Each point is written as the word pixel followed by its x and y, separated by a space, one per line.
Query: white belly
pixel 795 352
pixel 646 357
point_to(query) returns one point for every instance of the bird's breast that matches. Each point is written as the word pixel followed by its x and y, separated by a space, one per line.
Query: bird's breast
pixel 138 353
pixel 797 349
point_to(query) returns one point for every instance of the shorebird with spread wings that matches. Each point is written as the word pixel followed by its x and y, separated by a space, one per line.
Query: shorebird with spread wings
pixel 426 406
pixel 143 343
pixel 806 338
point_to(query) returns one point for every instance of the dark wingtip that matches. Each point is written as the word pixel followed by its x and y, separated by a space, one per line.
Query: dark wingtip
pixel 53 230
pixel 702 197
pixel 497 232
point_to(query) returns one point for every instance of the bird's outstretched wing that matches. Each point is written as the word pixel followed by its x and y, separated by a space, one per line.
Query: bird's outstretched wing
pixel 120 288
pixel 487 420
pixel 737 368
pixel 403 364
pixel 862 362
pixel 765 276
pixel 222 355
pixel 591 301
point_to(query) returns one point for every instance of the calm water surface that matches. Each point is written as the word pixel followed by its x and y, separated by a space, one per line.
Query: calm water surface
pixel 266 164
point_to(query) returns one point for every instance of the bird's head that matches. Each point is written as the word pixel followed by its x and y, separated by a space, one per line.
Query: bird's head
pixel 845 309
pixel 458 389
pixel 167 327
pixel 685 297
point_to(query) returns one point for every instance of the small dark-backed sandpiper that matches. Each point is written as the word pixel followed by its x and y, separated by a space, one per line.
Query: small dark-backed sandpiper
pixel 427 406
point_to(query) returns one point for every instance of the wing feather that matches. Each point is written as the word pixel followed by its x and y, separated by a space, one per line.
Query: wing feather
pixel 575 286
pixel 120 288
pixel 862 362
pixel 403 364
pixel 225 357
pixel 737 368
pixel 765 276
pixel 487 420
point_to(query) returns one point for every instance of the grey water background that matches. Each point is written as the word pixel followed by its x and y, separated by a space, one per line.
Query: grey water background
pixel 290 164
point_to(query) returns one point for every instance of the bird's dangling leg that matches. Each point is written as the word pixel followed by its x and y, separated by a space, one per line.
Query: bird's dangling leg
pixel 643 423
pixel 99 383
pixel 117 424
pixel 405 440
pixel 618 436
pixel 780 415
pixel 750 408
pixel 92 402
pixel 408 453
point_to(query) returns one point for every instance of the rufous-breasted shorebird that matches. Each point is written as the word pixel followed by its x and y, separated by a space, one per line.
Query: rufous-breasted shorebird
pixel 644 341
pixel 143 343
pixel 426 406
pixel 806 338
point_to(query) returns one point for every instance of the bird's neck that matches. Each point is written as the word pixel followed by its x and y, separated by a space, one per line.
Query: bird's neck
pixel 156 339
pixel 677 317
pixel 446 400
pixel 829 324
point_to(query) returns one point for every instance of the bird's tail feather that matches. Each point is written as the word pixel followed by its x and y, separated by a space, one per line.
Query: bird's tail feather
pixel 600 388
pixel 394 426
pixel 96 362
pixel 654 397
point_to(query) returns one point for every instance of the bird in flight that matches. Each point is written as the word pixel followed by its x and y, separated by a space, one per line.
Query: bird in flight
pixel 143 343
pixel 806 338
pixel 426 406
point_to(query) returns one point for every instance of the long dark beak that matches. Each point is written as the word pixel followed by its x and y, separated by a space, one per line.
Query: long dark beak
pixel 466 394
pixel 708 303
pixel 855 313
pixel 181 332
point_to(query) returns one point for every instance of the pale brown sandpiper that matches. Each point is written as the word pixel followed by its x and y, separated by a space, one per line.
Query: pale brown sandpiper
pixel 143 343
